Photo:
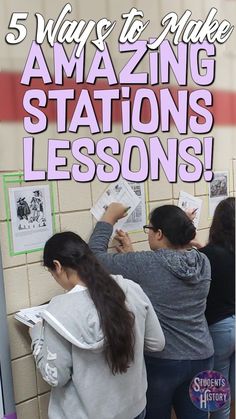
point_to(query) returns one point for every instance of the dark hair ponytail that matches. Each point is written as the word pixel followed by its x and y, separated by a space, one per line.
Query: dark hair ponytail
pixel 117 321
pixel 174 224
pixel 222 230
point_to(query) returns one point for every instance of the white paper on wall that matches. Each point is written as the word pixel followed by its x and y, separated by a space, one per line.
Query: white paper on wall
pixel 138 218
pixel 31 217
pixel 187 201
pixel 218 190
pixel 117 192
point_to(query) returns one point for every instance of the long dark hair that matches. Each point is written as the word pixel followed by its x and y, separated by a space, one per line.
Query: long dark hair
pixel 222 231
pixel 174 224
pixel 117 321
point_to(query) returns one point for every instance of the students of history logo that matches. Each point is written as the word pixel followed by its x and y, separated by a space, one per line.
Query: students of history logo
pixel 209 390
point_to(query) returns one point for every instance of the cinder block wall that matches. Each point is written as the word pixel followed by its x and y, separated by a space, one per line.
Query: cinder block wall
pixel 26 282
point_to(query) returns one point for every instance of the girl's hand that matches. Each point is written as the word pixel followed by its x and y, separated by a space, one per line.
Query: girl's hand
pixel 191 213
pixel 125 244
pixel 35 329
pixel 114 212
pixel 195 243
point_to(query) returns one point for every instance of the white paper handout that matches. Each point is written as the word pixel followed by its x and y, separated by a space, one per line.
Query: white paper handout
pixel 218 190
pixel 30 316
pixel 117 192
pixel 31 217
pixel 138 218
pixel 187 201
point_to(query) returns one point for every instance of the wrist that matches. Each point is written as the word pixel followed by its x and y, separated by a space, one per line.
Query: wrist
pixel 108 218
pixel 129 248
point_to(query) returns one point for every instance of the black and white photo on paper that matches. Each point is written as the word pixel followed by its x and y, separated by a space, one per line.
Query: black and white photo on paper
pixel 30 208
pixel 31 217
pixel 219 185
pixel 138 218
pixel 218 190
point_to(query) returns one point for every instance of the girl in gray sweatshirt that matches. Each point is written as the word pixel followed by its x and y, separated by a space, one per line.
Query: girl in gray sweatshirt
pixel 91 342
pixel 176 278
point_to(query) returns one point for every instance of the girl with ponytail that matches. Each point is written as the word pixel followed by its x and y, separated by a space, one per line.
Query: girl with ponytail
pixel 90 345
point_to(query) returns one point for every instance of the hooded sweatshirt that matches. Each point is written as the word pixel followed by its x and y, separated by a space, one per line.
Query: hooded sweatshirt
pixel 69 352
pixel 176 282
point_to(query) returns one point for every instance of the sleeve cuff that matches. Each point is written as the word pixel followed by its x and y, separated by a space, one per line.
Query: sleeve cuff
pixel 36 332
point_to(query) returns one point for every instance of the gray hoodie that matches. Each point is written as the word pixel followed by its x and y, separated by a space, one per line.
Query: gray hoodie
pixel 177 283
pixel 69 352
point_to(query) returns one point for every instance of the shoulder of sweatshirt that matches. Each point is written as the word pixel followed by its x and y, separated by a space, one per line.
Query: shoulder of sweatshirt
pixel 202 254
pixel 66 302
pixel 133 291
pixel 206 265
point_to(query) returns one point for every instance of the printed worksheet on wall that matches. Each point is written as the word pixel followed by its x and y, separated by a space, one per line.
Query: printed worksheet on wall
pixel 117 192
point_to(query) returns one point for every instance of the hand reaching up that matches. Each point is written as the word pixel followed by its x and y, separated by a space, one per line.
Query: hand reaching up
pixel 114 212
pixel 191 213
pixel 125 244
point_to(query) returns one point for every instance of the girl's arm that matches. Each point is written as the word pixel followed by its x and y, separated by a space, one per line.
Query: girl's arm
pixel 52 354
pixel 131 265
